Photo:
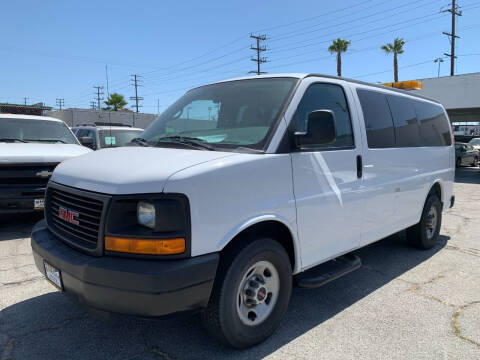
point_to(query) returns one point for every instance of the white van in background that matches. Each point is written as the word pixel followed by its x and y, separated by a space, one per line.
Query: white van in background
pixel 30 148
pixel 242 188
pixel 104 135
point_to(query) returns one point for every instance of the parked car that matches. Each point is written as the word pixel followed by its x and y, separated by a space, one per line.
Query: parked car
pixel 465 155
pixel 475 142
pixel 105 136
pixel 242 188
pixel 30 148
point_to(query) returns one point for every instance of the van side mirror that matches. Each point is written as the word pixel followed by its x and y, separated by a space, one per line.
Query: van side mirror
pixel 86 141
pixel 321 129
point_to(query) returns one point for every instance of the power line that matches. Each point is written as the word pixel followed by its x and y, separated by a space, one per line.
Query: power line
pixel 452 36
pixel 383 14
pixel 136 84
pixel 99 93
pixel 60 103
pixel 259 49
pixel 175 76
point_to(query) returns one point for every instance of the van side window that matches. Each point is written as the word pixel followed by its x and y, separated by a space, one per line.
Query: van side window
pixel 407 131
pixel 326 97
pixel 378 119
pixel 434 125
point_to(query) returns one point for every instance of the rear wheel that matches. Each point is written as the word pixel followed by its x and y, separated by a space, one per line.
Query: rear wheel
pixel 425 234
pixel 250 294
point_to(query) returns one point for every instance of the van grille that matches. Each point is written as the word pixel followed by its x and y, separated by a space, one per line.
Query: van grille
pixel 26 174
pixel 83 229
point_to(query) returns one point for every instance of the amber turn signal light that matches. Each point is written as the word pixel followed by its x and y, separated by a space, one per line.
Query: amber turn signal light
pixel 145 246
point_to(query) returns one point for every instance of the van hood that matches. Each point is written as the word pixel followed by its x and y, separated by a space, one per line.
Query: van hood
pixel 11 153
pixel 129 170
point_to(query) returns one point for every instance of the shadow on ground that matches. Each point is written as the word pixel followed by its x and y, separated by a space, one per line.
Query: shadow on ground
pixel 14 226
pixel 50 326
pixel 470 175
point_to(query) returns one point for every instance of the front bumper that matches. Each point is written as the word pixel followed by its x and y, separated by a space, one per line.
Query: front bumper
pixel 126 285
pixel 19 199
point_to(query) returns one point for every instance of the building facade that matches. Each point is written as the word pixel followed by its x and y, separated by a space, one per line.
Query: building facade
pixel 74 117
pixel 35 109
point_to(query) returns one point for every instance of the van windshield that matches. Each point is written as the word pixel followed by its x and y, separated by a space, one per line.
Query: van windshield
pixel 115 138
pixel 29 130
pixel 240 113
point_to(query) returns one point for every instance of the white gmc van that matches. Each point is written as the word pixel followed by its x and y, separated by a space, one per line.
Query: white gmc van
pixel 239 190
pixel 30 148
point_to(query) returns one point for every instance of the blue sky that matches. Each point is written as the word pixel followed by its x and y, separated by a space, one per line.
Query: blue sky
pixel 59 49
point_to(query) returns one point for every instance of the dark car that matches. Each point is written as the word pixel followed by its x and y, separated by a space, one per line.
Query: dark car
pixel 465 155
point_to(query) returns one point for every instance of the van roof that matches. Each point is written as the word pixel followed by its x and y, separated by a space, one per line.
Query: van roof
pixel 305 75
pixel 28 117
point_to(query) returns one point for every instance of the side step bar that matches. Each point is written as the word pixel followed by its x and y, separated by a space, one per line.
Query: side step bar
pixel 328 271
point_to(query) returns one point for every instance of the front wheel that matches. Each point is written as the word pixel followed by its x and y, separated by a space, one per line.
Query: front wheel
pixel 425 234
pixel 475 161
pixel 251 293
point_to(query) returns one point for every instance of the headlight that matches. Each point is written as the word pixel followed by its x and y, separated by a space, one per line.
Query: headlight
pixel 149 224
pixel 146 214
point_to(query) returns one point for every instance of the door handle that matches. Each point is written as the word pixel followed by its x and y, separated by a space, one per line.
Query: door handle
pixel 359 167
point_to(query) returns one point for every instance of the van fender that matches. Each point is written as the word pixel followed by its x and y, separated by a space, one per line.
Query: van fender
pixel 430 187
pixel 261 218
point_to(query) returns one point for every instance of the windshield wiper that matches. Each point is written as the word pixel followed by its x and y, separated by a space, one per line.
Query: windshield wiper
pixel 192 141
pixel 12 140
pixel 140 141
pixel 55 140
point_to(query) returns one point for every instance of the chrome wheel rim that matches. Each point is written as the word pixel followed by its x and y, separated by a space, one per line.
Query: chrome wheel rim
pixel 257 293
pixel 431 222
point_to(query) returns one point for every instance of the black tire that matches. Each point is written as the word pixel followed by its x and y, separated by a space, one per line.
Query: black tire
pixel 458 163
pixel 417 235
pixel 475 161
pixel 221 317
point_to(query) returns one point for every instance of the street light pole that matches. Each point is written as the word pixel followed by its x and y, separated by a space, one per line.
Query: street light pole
pixel 439 60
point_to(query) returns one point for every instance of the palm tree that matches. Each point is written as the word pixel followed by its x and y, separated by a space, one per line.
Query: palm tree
pixel 396 48
pixel 339 46
pixel 116 102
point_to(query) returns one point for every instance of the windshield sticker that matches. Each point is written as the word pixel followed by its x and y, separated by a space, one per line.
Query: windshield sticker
pixel 213 138
pixel 110 140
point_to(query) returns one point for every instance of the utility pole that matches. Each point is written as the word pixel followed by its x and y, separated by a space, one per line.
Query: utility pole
pixel 92 105
pixel 60 103
pixel 158 106
pixel 99 93
pixel 259 49
pixel 452 36
pixel 136 84
pixel 25 101
pixel 439 61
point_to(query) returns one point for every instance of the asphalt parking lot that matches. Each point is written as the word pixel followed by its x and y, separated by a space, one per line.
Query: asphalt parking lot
pixel 402 303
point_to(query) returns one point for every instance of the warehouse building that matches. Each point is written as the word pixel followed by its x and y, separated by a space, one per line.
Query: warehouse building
pixel 74 117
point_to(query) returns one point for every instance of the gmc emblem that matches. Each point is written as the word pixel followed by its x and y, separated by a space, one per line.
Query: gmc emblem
pixel 68 215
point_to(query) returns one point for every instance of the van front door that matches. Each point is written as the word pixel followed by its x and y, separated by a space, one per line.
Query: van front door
pixel 327 186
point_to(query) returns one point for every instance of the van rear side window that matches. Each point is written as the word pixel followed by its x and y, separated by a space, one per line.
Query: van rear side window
pixel 378 120
pixel 407 131
pixel 434 125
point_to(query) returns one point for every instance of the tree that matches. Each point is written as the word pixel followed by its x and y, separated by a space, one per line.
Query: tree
pixel 115 102
pixel 396 48
pixel 339 46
